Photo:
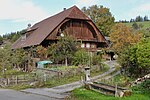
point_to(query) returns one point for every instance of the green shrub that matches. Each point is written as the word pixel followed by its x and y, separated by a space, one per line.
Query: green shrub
pixel 146 85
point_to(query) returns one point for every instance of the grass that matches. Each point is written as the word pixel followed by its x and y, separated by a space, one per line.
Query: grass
pixel 146 24
pixel 119 79
pixel 57 81
pixel 70 79
pixel 9 73
pixel 19 87
pixel 138 92
pixel 84 94
pixel 104 69
pixel 63 68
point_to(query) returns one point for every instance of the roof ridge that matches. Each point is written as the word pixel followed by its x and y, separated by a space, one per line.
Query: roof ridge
pixel 57 14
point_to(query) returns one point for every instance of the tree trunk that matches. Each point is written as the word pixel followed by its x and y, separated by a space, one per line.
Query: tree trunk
pixel 66 61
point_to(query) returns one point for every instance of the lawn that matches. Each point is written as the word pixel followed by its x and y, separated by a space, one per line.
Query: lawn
pixel 138 92
pixel 73 78
pixel 56 81
pixel 146 24
pixel 84 94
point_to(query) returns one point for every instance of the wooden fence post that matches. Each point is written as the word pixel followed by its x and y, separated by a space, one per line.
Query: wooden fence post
pixel 116 92
pixel 16 79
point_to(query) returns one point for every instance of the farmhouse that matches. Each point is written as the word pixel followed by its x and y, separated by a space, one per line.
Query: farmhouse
pixel 71 21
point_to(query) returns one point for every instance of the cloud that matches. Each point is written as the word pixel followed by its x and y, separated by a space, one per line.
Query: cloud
pixel 142 10
pixel 21 10
pixel 86 3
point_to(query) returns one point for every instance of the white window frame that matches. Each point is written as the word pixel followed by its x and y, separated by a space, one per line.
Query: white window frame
pixel 83 45
pixel 87 45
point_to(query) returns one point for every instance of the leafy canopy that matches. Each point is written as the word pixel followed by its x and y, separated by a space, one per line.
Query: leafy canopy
pixel 123 36
pixel 64 49
pixel 136 59
pixel 101 16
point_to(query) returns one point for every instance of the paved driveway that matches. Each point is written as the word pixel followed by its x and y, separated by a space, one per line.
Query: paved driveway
pixel 6 94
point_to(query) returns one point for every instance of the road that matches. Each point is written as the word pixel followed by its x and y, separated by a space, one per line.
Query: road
pixel 55 93
pixel 7 94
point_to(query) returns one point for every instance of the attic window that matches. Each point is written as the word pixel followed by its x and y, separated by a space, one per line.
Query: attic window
pixel 23 37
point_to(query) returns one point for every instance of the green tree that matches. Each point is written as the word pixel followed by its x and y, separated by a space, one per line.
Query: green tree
pixel 146 33
pixel 64 48
pixel 1 39
pixel 81 57
pixel 19 58
pixel 139 19
pixel 5 58
pixel 42 52
pixel 136 26
pixel 101 16
pixel 145 18
pixel 135 59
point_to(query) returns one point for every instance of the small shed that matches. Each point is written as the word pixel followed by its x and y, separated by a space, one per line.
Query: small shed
pixel 41 64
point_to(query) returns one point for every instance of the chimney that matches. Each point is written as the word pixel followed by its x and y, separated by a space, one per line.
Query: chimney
pixel 29 27
pixel 64 9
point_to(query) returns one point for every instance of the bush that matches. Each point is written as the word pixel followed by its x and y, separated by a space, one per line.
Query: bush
pixel 81 57
pixel 135 59
pixel 146 85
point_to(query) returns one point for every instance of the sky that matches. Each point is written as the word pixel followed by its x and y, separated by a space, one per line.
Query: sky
pixel 15 15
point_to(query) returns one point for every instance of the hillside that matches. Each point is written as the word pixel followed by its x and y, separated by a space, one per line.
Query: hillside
pixel 146 24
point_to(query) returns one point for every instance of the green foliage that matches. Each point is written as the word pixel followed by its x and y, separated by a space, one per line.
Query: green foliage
pixel 1 39
pixel 145 24
pixel 19 56
pixel 19 87
pixel 146 85
pixel 5 58
pixel 143 88
pixel 63 68
pixel 146 33
pixel 97 59
pixel 136 26
pixel 41 52
pixel 13 36
pixel 139 19
pixel 64 49
pixel 101 16
pixel 84 94
pixel 143 54
pixel 10 59
pixel 121 80
pixel 136 59
pixel 81 57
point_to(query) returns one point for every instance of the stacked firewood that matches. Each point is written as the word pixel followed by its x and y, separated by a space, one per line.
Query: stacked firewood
pixel 140 80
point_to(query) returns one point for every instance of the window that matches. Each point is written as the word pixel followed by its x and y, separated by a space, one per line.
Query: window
pixel 23 37
pixel 82 45
pixel 87 45
pixel 93 45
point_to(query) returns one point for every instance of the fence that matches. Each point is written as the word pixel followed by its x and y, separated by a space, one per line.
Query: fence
pixel 17 79
pixel 41 74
